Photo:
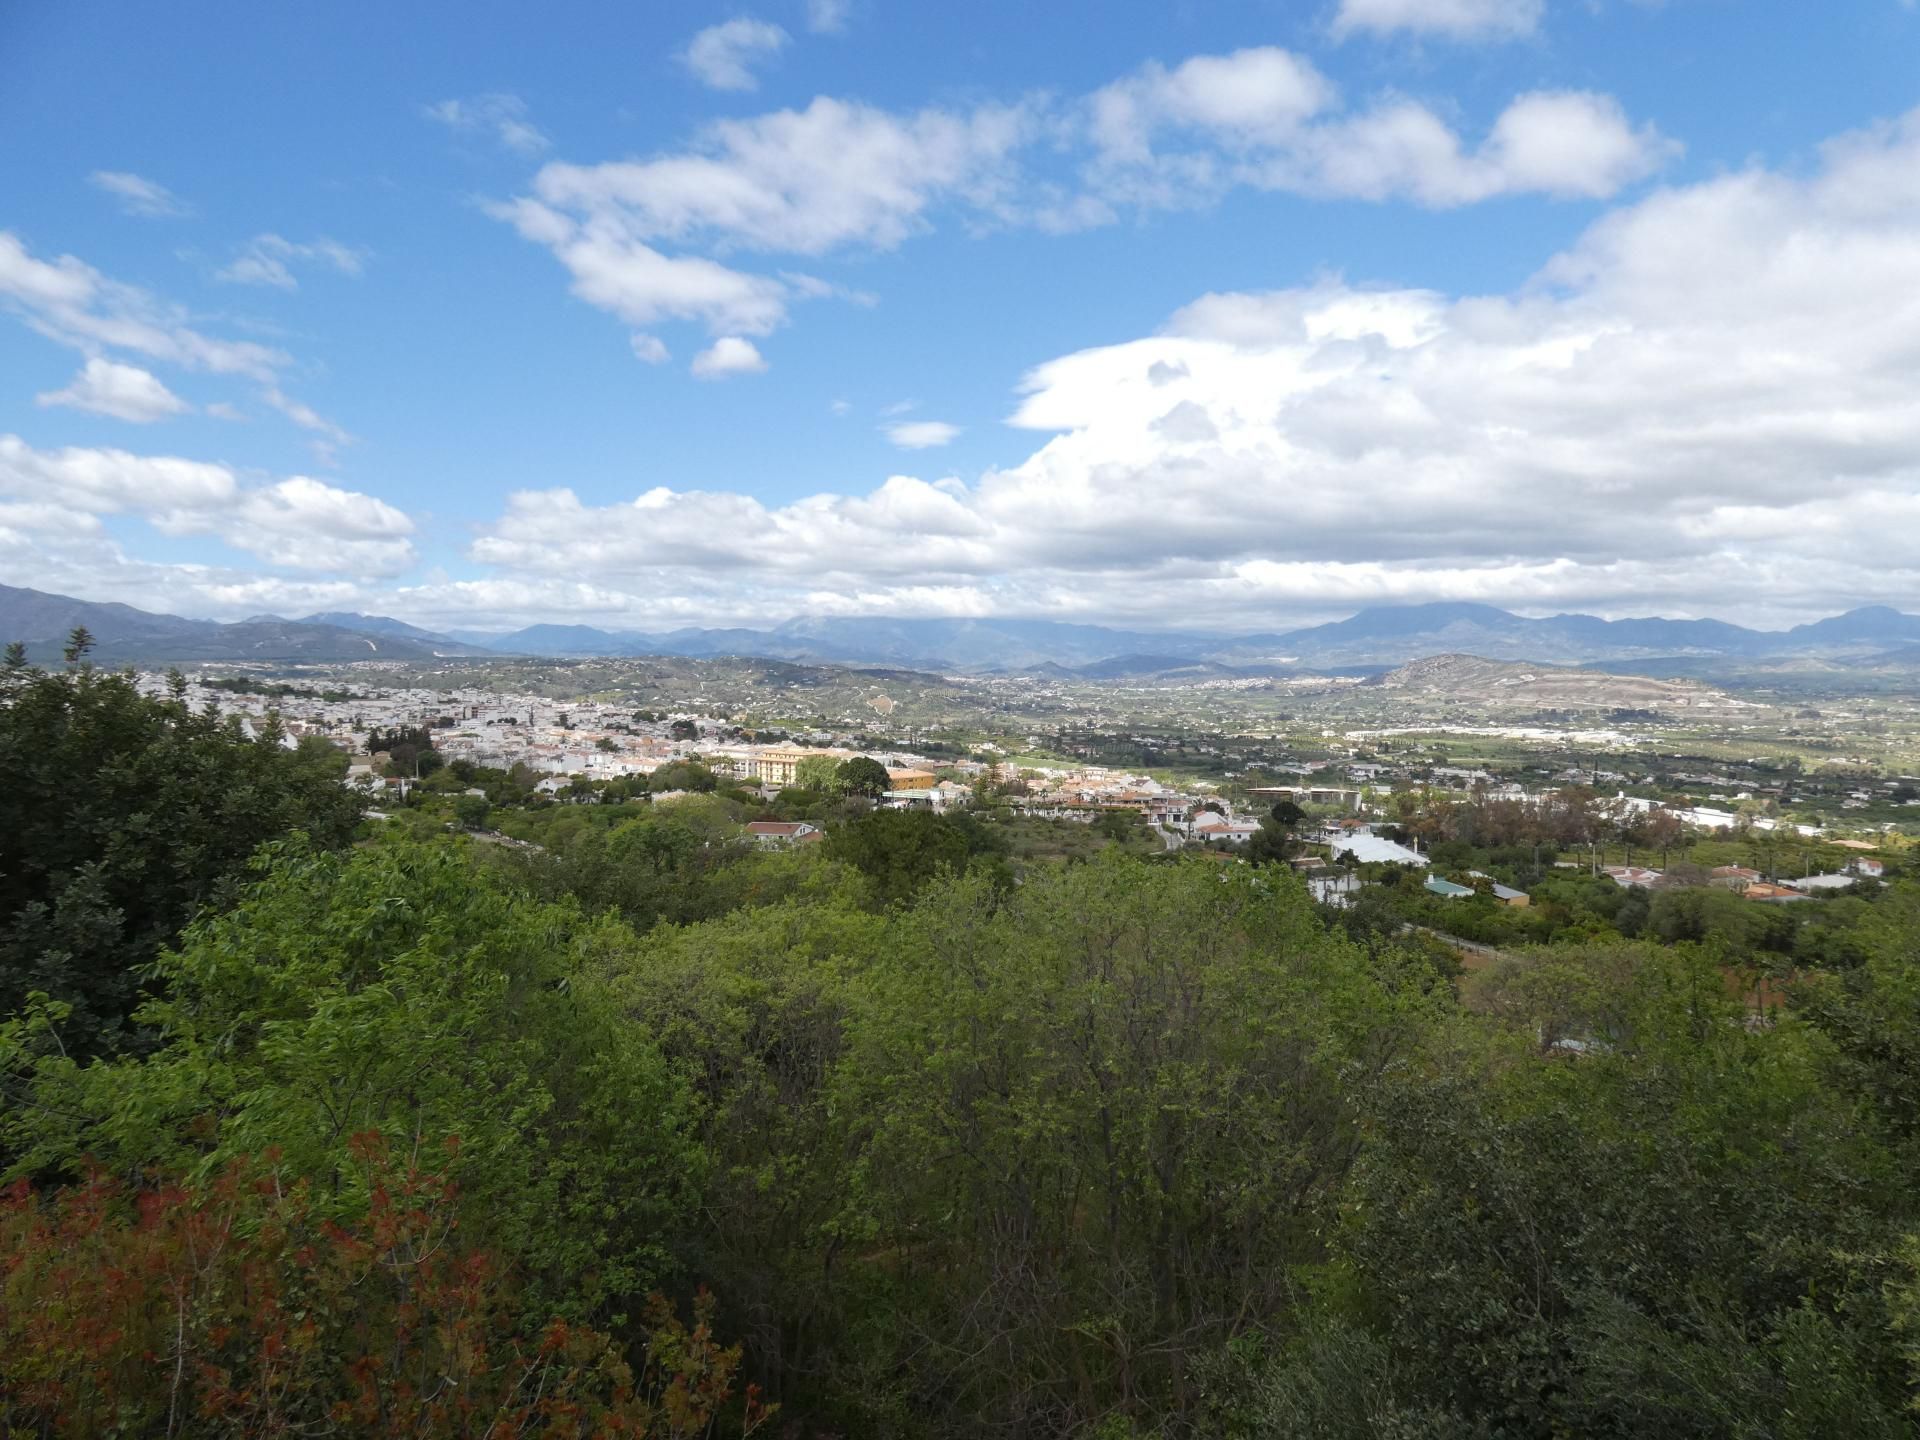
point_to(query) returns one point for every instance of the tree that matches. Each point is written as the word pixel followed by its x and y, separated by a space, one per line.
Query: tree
pixel 392 988
pixel 239 1308
pixel 120 816
pixel 471 811
pixel 1073 1098
pixel 817 772
pixel 683 730
pixel 863 775
pixel 901 851
pixel 605 745
pixel 1553 1228
pixel 409 748
pixel 1271 844
pixel 682 775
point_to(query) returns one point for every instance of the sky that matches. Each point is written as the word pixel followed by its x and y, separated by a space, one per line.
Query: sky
pixel 1226 316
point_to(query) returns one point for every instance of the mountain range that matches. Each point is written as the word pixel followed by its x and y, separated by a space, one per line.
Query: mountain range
pixel 1376 638
pixel 124 635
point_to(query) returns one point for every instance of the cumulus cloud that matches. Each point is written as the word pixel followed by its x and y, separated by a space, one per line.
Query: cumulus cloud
pixel 650 348
pixel 922 434
pixel 1267 119
pixel 268 260
pixel 500 116
pixel 125 392
pixel 299 523
pixel 660 237
pixel 729 355
pixel 140 196
pixel 1257 97
pixel 724 56
pixel 1704 405
pixel 1451 19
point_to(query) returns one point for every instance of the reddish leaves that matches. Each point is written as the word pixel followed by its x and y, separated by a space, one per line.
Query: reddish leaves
pixel 232 1309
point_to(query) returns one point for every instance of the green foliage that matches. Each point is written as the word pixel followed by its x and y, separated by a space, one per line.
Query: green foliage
pixel 683 775
pixel 1273 843
pixel 1033 1153
pixel 863 775
pixel 819 773
pixel 409 749
pixel 395 990
pixel 901 851
pixel 472 811
pixel 1628 1214
pixel 120 816
pixel 1104 1112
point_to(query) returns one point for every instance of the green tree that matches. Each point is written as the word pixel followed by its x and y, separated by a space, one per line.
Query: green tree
pixel 120 816
pixel 863 775
pixel 1106 1115
pixel 682 775
pixel 901 851
pixel 395 989
pixel 471 811
pixel 1617 1210
pixel 817 772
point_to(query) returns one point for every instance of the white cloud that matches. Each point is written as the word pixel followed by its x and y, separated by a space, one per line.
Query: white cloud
pixel 729 355
pixel 1451 19
pixel 306 524
pixel 110 481
pixel 501 116
pixel 299 523
pixel 69 301
pixel 619 273
pixel 835 174
pixel 650 348
pixel 840 175
pixel 264 260
pixel 828 17
pixel 126 392
pixel 922 434
pixel 139 196
pixel 1267 119
pixel 724 56
pixel 1258 97
pixel 1702 406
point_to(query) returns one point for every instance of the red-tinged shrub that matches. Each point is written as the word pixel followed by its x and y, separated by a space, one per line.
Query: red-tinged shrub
pixel 229 1309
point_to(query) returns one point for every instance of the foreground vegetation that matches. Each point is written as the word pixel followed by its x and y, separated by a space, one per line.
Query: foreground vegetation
pixel 639 1131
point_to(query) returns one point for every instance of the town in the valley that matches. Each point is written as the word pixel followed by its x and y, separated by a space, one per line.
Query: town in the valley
pixel 1477 834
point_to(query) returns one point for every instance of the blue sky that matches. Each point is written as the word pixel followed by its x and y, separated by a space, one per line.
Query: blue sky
pixel 1232 315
